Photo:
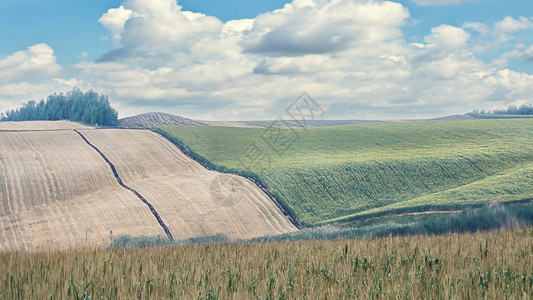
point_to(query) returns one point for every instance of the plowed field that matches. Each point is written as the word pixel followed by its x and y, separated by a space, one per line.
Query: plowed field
pixel 58 192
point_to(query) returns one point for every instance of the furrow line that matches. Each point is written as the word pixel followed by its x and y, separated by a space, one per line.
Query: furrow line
pixel 115 173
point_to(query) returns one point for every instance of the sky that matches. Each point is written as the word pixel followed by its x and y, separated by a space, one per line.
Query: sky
pixel 249 60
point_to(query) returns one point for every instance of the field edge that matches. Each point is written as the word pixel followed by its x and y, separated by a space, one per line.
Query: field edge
pixel 255 179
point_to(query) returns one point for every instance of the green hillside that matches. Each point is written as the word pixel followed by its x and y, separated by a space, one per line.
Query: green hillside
pixel 336 173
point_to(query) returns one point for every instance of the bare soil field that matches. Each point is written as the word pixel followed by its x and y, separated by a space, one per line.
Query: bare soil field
pixel 57 192
pixel 84 221
pixel 180 189
pixel 41 125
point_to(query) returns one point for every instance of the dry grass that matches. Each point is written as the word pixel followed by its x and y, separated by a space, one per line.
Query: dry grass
pixel 56 192
pixel 493 265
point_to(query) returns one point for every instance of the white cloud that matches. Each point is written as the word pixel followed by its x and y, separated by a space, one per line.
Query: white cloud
pixel 477 26
pixel 38 61
pixel 321 27
pixel 503 30
pixel 115 19
pixel 510 24
pixel 519 52
pixel 492 38
pixel 448 37
pixel 155 30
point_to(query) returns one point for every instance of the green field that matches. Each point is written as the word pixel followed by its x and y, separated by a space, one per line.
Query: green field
pixel 338 173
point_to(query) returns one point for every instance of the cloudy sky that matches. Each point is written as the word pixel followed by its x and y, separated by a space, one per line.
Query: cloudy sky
pixel 249 59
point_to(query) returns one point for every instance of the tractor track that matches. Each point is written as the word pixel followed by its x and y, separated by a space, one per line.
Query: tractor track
pixel 119 180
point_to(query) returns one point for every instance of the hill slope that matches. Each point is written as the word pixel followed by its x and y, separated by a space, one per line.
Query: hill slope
pixel 334 173
pixel 57 192
pixel 180 189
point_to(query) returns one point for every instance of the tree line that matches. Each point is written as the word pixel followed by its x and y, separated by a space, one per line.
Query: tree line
pixel 88 108
pixel 511 110
pixel 514 110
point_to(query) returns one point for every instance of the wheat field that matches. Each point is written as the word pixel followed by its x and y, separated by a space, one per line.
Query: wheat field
pixel 57 192
pixel 490 265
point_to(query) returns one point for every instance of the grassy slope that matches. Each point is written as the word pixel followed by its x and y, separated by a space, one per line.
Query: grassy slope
pixel 333 173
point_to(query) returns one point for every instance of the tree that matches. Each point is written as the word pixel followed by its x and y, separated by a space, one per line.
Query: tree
pixel 89 108
pixel 524 109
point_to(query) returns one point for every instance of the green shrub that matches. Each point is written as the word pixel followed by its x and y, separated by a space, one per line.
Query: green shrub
pixel 122 242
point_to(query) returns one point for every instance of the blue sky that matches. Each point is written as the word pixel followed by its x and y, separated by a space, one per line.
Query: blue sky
pixel 441 45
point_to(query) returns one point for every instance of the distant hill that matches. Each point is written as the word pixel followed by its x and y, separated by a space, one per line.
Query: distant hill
pixel 456 117
pixel 151 120
pixel 286 123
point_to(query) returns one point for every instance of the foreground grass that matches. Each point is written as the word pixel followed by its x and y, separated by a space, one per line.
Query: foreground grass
pixel 335 174
pixel 494 265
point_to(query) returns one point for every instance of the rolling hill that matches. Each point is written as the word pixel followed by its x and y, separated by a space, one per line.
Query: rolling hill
pixel 334 174
pixel 64 185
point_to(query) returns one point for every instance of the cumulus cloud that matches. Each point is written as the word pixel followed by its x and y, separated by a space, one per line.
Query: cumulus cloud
pixel 115 19
pixel 150 31
pixel 182 55
pixel 448 37
pixel 38 61
pixel 322 27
